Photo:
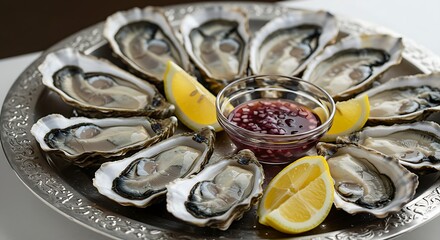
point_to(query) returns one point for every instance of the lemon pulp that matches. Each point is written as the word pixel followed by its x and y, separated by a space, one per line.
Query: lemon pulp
pixel 350 116
pixel 195 105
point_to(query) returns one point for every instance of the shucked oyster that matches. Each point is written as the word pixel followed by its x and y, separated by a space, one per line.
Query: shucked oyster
pixel 217 39
pixel 220 193
pixel 98 88
pixel 285 45
pixel 142 178
pixel 404 99
pixel 415 145
pixel 144 40
pixel 85 141
pixel 368 181
pixel 352 64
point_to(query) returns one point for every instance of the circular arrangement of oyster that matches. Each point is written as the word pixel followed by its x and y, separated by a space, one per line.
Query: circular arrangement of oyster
pixel 285 45
pixel 415 145
pixel 143 177
pixel 367 181
pixel 220 193
pixel 144 40
pixel 216 39
pixel 365 168
pixel 98 88
pixel 404 99
pixel 352 64
pixel 85 141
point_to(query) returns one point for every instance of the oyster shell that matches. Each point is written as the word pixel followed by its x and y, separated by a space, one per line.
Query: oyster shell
pixel 86 141
pixel 220 193
pixel 285 45
pixel 98 88
pixel 352 64
pixel 216 39
pixel 142 178
pixel 368 181
pixel 404 99
pixel 144 40
pixel 415 145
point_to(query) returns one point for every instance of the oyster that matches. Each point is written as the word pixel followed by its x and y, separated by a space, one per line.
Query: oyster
pixel 144 40
pixel 216 39
pixel 85 141
pixel 352 64
pixel 368 181
pixel 415 145
pixel 142 178
pixel 404 99
pixel 285 45
pixel 98 88
pixel 220 193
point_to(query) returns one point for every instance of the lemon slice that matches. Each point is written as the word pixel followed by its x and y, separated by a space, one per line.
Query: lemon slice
pixel 195 105
pixel 299 197
pixel 350 116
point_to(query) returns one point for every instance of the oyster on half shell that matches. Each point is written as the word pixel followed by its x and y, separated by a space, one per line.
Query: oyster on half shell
pixel 415 145
pixel 216 39
pixel 352 64
pixel 404 99
pixel 285 45
pixel 141 178
pixel 144 40
pixel 367 181
pixel 220 193
pixel 95 87
pixel 85 141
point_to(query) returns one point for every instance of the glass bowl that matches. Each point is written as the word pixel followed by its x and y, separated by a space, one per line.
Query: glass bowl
pixel 239 104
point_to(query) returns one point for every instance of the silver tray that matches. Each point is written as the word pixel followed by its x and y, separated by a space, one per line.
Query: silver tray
pixel 69 190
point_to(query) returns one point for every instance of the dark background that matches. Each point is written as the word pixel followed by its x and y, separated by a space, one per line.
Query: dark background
pixel 29 26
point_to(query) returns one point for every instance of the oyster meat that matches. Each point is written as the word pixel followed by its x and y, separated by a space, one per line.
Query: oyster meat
pixel 368 181
pixel 144 40
pixel 142 178
pixel 220 193
pixel 352 64
pixel 85 141
pixel 216 40
pixel 285 45
pixel 404 99
pixel 98 88
pixel 415 145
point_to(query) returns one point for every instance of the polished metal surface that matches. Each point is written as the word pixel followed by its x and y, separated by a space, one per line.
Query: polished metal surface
pixel 69 189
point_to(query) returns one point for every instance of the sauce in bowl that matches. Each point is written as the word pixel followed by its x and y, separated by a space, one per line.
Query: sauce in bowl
pixel 279 118
pixel 274 117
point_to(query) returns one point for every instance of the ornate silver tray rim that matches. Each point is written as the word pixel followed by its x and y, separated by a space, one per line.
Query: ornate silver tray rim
pixel 20 148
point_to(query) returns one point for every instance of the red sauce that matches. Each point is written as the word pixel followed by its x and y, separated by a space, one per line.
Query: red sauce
pixel 278 117
pixel 275 117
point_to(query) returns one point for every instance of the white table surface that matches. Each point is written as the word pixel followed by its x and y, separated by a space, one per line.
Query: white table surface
pixel 24 216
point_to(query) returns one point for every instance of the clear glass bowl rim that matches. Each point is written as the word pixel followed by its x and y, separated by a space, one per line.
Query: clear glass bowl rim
pixel 314 131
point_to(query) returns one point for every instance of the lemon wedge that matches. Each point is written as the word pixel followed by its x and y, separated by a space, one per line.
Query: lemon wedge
pixel 195 105
pixel 350 116
pixel 299 197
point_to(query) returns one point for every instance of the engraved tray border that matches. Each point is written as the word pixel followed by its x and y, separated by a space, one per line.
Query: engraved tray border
pixel 17 117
